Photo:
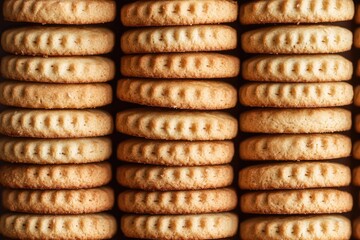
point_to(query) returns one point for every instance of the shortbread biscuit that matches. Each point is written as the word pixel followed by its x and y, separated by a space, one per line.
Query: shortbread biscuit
pixel 55 123
pixel 298 68
pixel 55 176
pixel 183 94
pixel 58 69
pixel 56 41
pixel 356 176
pixel 55 96
pixel 309 201
pixel 296 11
pixel 84 226
pixel 60 12
pixel 202 226
pixel 55 151
pixel 59 201
pixel 297 39
pixel 178 12
pixel 175 153
pixel 174 178
pixel 173 125
pixel 321 227
pixel 180 65
pixel 294 176
pixel 296 147
pixel 319 120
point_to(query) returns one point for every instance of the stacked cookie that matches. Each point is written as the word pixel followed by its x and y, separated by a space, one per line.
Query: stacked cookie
pixel 53 149
pixel 178 169
pixel 301 90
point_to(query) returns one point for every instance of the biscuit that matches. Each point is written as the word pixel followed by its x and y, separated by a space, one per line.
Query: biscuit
pixel 85 226
pixel 55 123
pixel 296 147
pixel 55 176
pixel 294 176
pixel 357 96
pixel 55 151
pixel 60 12
pixel 177 125
pixel 59 201
pixel 55 96
pixel 356 228
pixel 356 176
pixel 309 201
pixel 357 123
pixel 58 69
pixel 298 68
pixel 357 38
pixel 178 12
pixel 297 39
pixel 180 65
pixel 174 178
pixel 296 11
pixel 356 150
pixel 323 227
pixel 202 226
pixel 183 94
pixel 56 41
pixel 319 120
pixel 175 153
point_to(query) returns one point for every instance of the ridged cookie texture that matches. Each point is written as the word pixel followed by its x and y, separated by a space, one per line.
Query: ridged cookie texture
pixel 180 65
pixel 201 226
pixel 298 68
pixel 309 201
pixel 85 226
pixel 322 227
pixel 55 176
pixel 55 151
pixel 296 147
pixel 175 153
pixel 59 201
pixel 58 69
pixel 296 11
pixel 55 123
pixel 178 12
pixel 174 178
pixel 294 176
pixel 60 12
pixel 182 94
pixel 297 39
pixel 319 120
pixel 56 41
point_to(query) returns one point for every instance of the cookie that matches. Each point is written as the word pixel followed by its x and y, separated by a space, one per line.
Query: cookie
pixel 298 68
pixel 60 12
pixel 296 147
pixel 356 228
pixel 59 201
pixel 182 94
pixel 58 69
pixel 296 11
pixel 357 38
pixel 84 226
pixel 175 153
pixel 319 120
pixel 174 178
pixel 54 96
pixel 356 150
pixel 323 227
pixel 294 176
pixel 201 226
pixel 56 41
pixel 357 96
pixel 309 201
pixel 55 151
pixel 55 176
pixel 357 123
pixel 55 123
pixel 356 176
pixel 180 65
pixel 297 39
pixel 177 125
pixel 178 12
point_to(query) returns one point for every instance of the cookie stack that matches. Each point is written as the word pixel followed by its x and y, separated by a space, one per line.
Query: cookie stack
pixel 178 169
pixel 299 91
pixel 53 147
